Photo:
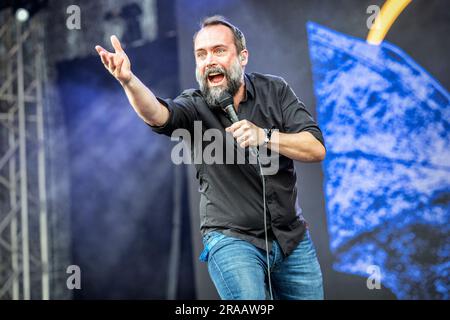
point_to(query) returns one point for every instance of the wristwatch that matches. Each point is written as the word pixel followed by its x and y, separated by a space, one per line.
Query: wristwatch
pixel 268 133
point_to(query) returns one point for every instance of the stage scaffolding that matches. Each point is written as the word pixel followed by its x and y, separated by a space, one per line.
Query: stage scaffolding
pixel 30 266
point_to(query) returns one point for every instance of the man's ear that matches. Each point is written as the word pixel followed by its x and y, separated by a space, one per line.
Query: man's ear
pixel 243 57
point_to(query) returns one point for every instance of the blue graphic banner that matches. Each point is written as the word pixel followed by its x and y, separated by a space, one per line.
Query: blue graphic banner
pixel 387 171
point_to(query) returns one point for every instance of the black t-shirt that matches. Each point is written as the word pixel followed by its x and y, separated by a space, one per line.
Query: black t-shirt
pixel 231 193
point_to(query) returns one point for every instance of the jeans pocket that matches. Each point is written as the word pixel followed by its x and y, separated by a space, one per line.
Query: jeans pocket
pixel 209 241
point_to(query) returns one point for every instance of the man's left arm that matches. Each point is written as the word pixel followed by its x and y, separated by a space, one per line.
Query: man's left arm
pixel 301 146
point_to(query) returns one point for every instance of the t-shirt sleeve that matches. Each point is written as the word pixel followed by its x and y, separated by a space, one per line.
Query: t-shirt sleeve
pixel 296 118
pixel 182 114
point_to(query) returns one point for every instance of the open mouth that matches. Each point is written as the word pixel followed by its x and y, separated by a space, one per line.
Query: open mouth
pixel 216 78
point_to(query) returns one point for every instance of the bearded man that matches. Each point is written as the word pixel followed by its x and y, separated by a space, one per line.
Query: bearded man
pixel 256 242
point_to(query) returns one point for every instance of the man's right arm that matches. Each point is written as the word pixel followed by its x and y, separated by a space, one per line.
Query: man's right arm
pixel 145 103
pixel 141 98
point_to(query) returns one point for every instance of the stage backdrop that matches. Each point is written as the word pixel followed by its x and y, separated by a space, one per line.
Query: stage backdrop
pixel 386 173
pixel 123 182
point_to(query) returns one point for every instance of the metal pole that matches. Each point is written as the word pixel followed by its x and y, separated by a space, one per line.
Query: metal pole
pixel 23 167
pixel 43 228
pixel 13 183
pixel 13 203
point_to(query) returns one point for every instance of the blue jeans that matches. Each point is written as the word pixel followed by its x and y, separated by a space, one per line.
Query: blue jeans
pixel 238 269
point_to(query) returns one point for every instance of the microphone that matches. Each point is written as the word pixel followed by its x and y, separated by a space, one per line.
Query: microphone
pixel 225 102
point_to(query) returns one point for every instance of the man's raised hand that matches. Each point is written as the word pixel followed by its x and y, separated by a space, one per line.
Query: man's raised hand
pixel 116 63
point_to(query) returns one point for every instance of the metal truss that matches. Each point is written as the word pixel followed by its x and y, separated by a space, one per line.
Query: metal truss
pixel 25 246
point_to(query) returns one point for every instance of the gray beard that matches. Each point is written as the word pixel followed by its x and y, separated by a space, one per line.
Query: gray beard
pixel 233 82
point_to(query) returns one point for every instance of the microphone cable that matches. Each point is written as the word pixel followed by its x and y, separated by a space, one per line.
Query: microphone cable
pixel 265 223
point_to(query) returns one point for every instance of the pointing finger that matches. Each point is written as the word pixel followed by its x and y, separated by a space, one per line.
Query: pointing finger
pixel 116 44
